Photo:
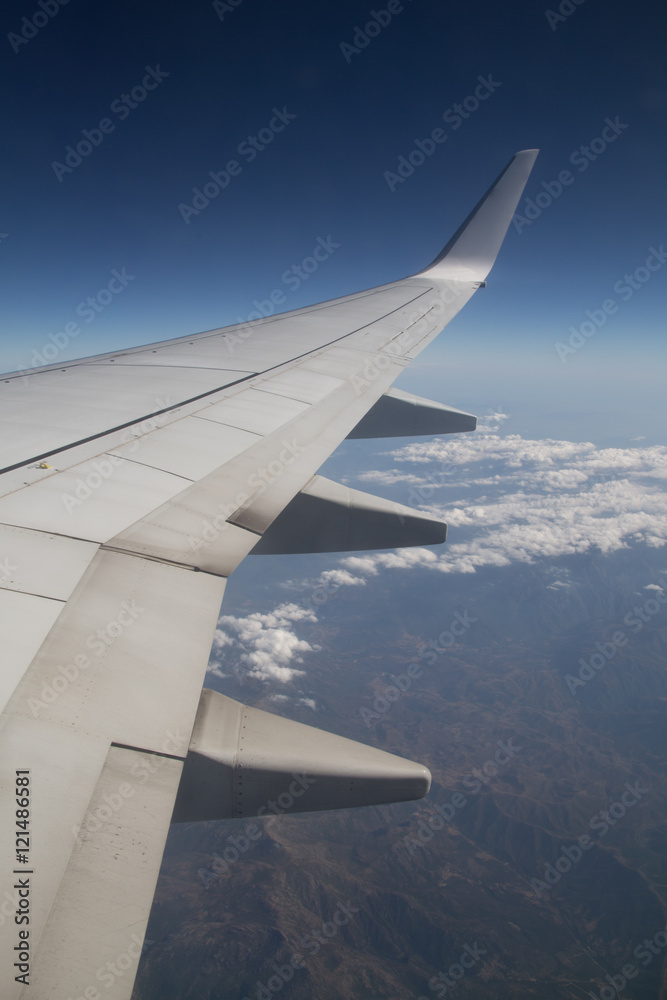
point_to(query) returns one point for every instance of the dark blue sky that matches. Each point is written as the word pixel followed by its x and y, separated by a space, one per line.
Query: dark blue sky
pixel 323 174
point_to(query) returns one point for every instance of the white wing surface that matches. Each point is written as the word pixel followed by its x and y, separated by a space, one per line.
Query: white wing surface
pixel 132 485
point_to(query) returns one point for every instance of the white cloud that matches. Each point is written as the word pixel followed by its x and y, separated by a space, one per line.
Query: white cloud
pixel 340 578
pixel 221 639
pixel 547 498
pixel 363 564
pixel 521 500
pixel 386 477
pixel 217 672
pixel 267 646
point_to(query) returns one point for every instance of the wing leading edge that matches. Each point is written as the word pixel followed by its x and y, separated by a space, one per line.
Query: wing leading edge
pixel 118 542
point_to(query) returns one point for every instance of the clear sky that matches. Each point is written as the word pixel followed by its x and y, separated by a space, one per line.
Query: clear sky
pixel 317 110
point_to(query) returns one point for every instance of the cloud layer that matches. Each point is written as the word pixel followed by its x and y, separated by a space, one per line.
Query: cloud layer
pixel 518 500
pixel 507 499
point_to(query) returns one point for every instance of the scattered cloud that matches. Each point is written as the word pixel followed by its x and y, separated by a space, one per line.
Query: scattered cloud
pixel 266 646
pixel 529 499
pixel 339 578
pixel 516 500
pixel 389 476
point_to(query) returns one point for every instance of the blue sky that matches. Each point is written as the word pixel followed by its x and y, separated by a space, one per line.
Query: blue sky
pixel 218 75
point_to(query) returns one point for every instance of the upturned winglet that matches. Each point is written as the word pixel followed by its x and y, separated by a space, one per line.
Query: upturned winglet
pixel 472 250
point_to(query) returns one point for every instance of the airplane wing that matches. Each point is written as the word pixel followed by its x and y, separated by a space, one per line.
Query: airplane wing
pixel 132 485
